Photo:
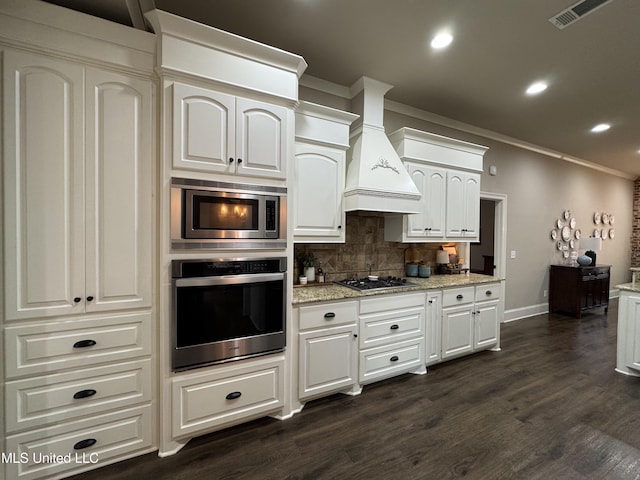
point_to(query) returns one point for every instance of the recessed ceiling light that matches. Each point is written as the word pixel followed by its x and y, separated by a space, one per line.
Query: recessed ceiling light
pixel 441 40
pixel 601 127
pixel 536 88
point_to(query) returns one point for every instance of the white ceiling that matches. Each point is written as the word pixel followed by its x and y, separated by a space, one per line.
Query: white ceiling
pixel 500 47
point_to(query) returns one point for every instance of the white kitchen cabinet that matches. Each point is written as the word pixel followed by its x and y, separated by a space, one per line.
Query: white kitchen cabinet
pixel 77 188
pixel 463 205
pixel 221 133
pixel 328 348
pixel 318 173
pixel 447 173
pixel 628 341
pixel 433 327
pixel 213 399
pixel 470 319
pixel 392 336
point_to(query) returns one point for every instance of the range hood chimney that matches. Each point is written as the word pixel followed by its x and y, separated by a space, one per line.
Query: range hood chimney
pixel 376 178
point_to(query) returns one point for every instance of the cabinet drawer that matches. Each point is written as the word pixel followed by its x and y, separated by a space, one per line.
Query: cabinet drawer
pixel 390 360
pixel 386 328
pixel 103 437
pixel 490 291
pixel 328 315
pixel 47 347
pixel 457 296
pixel 225 397
pixel 35 402
pixel 383 303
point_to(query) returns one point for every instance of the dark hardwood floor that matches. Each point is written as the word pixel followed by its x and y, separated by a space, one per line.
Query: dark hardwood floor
pixel 548 406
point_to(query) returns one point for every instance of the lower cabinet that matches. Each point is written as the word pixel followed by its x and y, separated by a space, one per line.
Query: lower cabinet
pixel 470 319
pixel 328 348
pixel 392 336
pixel 213 399
pixel 628 339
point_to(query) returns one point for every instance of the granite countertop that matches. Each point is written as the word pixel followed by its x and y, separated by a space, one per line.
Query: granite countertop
pixel 332 291
pixel 628 287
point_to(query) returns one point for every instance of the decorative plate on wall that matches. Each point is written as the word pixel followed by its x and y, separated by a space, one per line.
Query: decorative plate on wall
pixel 611 233
pixel 566 233
pixel 559 245
pixel 554 234
pixel 572 223
pixel 559 223
pixel 596 218
pixel 577 234
pixel 596 233
pixel 604 234
pixel 605 218
pixel 566 214
pixel 612 219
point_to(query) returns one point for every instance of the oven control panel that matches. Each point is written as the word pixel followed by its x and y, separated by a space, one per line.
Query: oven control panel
pixel 213 268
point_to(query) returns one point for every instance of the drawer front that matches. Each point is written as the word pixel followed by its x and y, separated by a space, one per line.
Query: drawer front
pixel 328 315
pixel 384 329
pixel 206 401
pixel 47 347
pixel 96 440
pixel 388 361
pixel 490 291
pixel 381 303
pixel 39 401
pixel 457 296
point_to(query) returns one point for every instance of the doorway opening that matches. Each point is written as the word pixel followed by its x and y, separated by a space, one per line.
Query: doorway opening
pixel 488 256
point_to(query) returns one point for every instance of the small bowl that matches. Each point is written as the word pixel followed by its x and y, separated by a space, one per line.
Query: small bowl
pixel 373 278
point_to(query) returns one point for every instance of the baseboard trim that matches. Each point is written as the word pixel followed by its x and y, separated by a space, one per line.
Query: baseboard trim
pixel 525 312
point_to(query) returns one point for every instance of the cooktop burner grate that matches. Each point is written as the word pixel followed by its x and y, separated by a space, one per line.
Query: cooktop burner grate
pixel 367 284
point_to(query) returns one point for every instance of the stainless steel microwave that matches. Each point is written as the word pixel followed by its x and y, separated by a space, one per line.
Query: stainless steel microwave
pixel 207 214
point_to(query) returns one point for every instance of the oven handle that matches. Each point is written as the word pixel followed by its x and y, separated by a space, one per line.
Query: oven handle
pixel 229 279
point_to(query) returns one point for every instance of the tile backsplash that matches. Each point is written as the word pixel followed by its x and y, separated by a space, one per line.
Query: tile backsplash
pixel 365 246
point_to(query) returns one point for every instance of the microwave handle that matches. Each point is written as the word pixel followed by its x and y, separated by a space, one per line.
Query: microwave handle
pixel 229 279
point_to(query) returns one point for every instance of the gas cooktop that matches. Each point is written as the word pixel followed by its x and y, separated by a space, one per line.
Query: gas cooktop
pixel 381 283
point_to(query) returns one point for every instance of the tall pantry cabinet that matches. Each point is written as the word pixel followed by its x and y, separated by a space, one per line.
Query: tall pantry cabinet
pixel 78 185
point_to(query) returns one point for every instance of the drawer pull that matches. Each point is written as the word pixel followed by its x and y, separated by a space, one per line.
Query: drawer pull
pixel 460 297
pixel 90 392
pixel 394 358
pixel 329 315
pixel 86 443
pixel 489 293
pixel 84 344
pixel 394 327
pixel 233 395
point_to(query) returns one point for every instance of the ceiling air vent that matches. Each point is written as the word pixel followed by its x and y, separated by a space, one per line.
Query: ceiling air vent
pixel 576 12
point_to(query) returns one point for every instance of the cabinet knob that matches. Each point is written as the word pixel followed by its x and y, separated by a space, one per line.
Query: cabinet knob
pixel 86 443
pixel 239 160
pixel 84 343
pixel 488 293
pixel 394 358
pixel 89 298
pixel 329 315
pixel 355 335
pixel 339 227
pixel 460 297
pixel 394 327
pixel 90 392
pixel 233 395
pixel 230 159
pixel 77 299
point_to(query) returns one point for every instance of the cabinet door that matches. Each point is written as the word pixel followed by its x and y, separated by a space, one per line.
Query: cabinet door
pixel 486 324
pixel 435 201
pixel 632 329
pixel 417 222
pixel 455 204
pixel 471 223
pixel 43 185
pixel 457 331
pixel 319 175
pixel 118 195
pixel 433 328
pixel 328 360
pixel 203 129
pixel 261 145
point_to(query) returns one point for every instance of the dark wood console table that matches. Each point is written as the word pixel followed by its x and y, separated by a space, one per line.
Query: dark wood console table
pixel 574 289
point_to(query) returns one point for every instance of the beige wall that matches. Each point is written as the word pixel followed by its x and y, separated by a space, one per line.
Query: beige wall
pixel 538 189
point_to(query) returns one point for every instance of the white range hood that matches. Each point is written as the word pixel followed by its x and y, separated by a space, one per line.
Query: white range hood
pixel 376 178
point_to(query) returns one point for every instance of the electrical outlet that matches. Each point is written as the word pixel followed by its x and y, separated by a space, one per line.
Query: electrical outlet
pixel 513 254
pixel 545 293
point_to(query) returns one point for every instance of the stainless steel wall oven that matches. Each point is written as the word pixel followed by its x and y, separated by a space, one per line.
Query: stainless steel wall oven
pixel 227 309
pixel 207 214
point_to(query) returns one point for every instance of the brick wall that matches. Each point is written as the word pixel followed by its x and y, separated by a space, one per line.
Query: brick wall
pixel 635 235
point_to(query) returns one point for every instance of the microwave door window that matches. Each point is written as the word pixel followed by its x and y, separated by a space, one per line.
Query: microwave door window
pixel 220 213
pixel 222 312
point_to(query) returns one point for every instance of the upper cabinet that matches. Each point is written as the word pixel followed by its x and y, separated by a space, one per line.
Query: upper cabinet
pixel 318 173
pixel 447 173
pixel 221 133
pixel 77 187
